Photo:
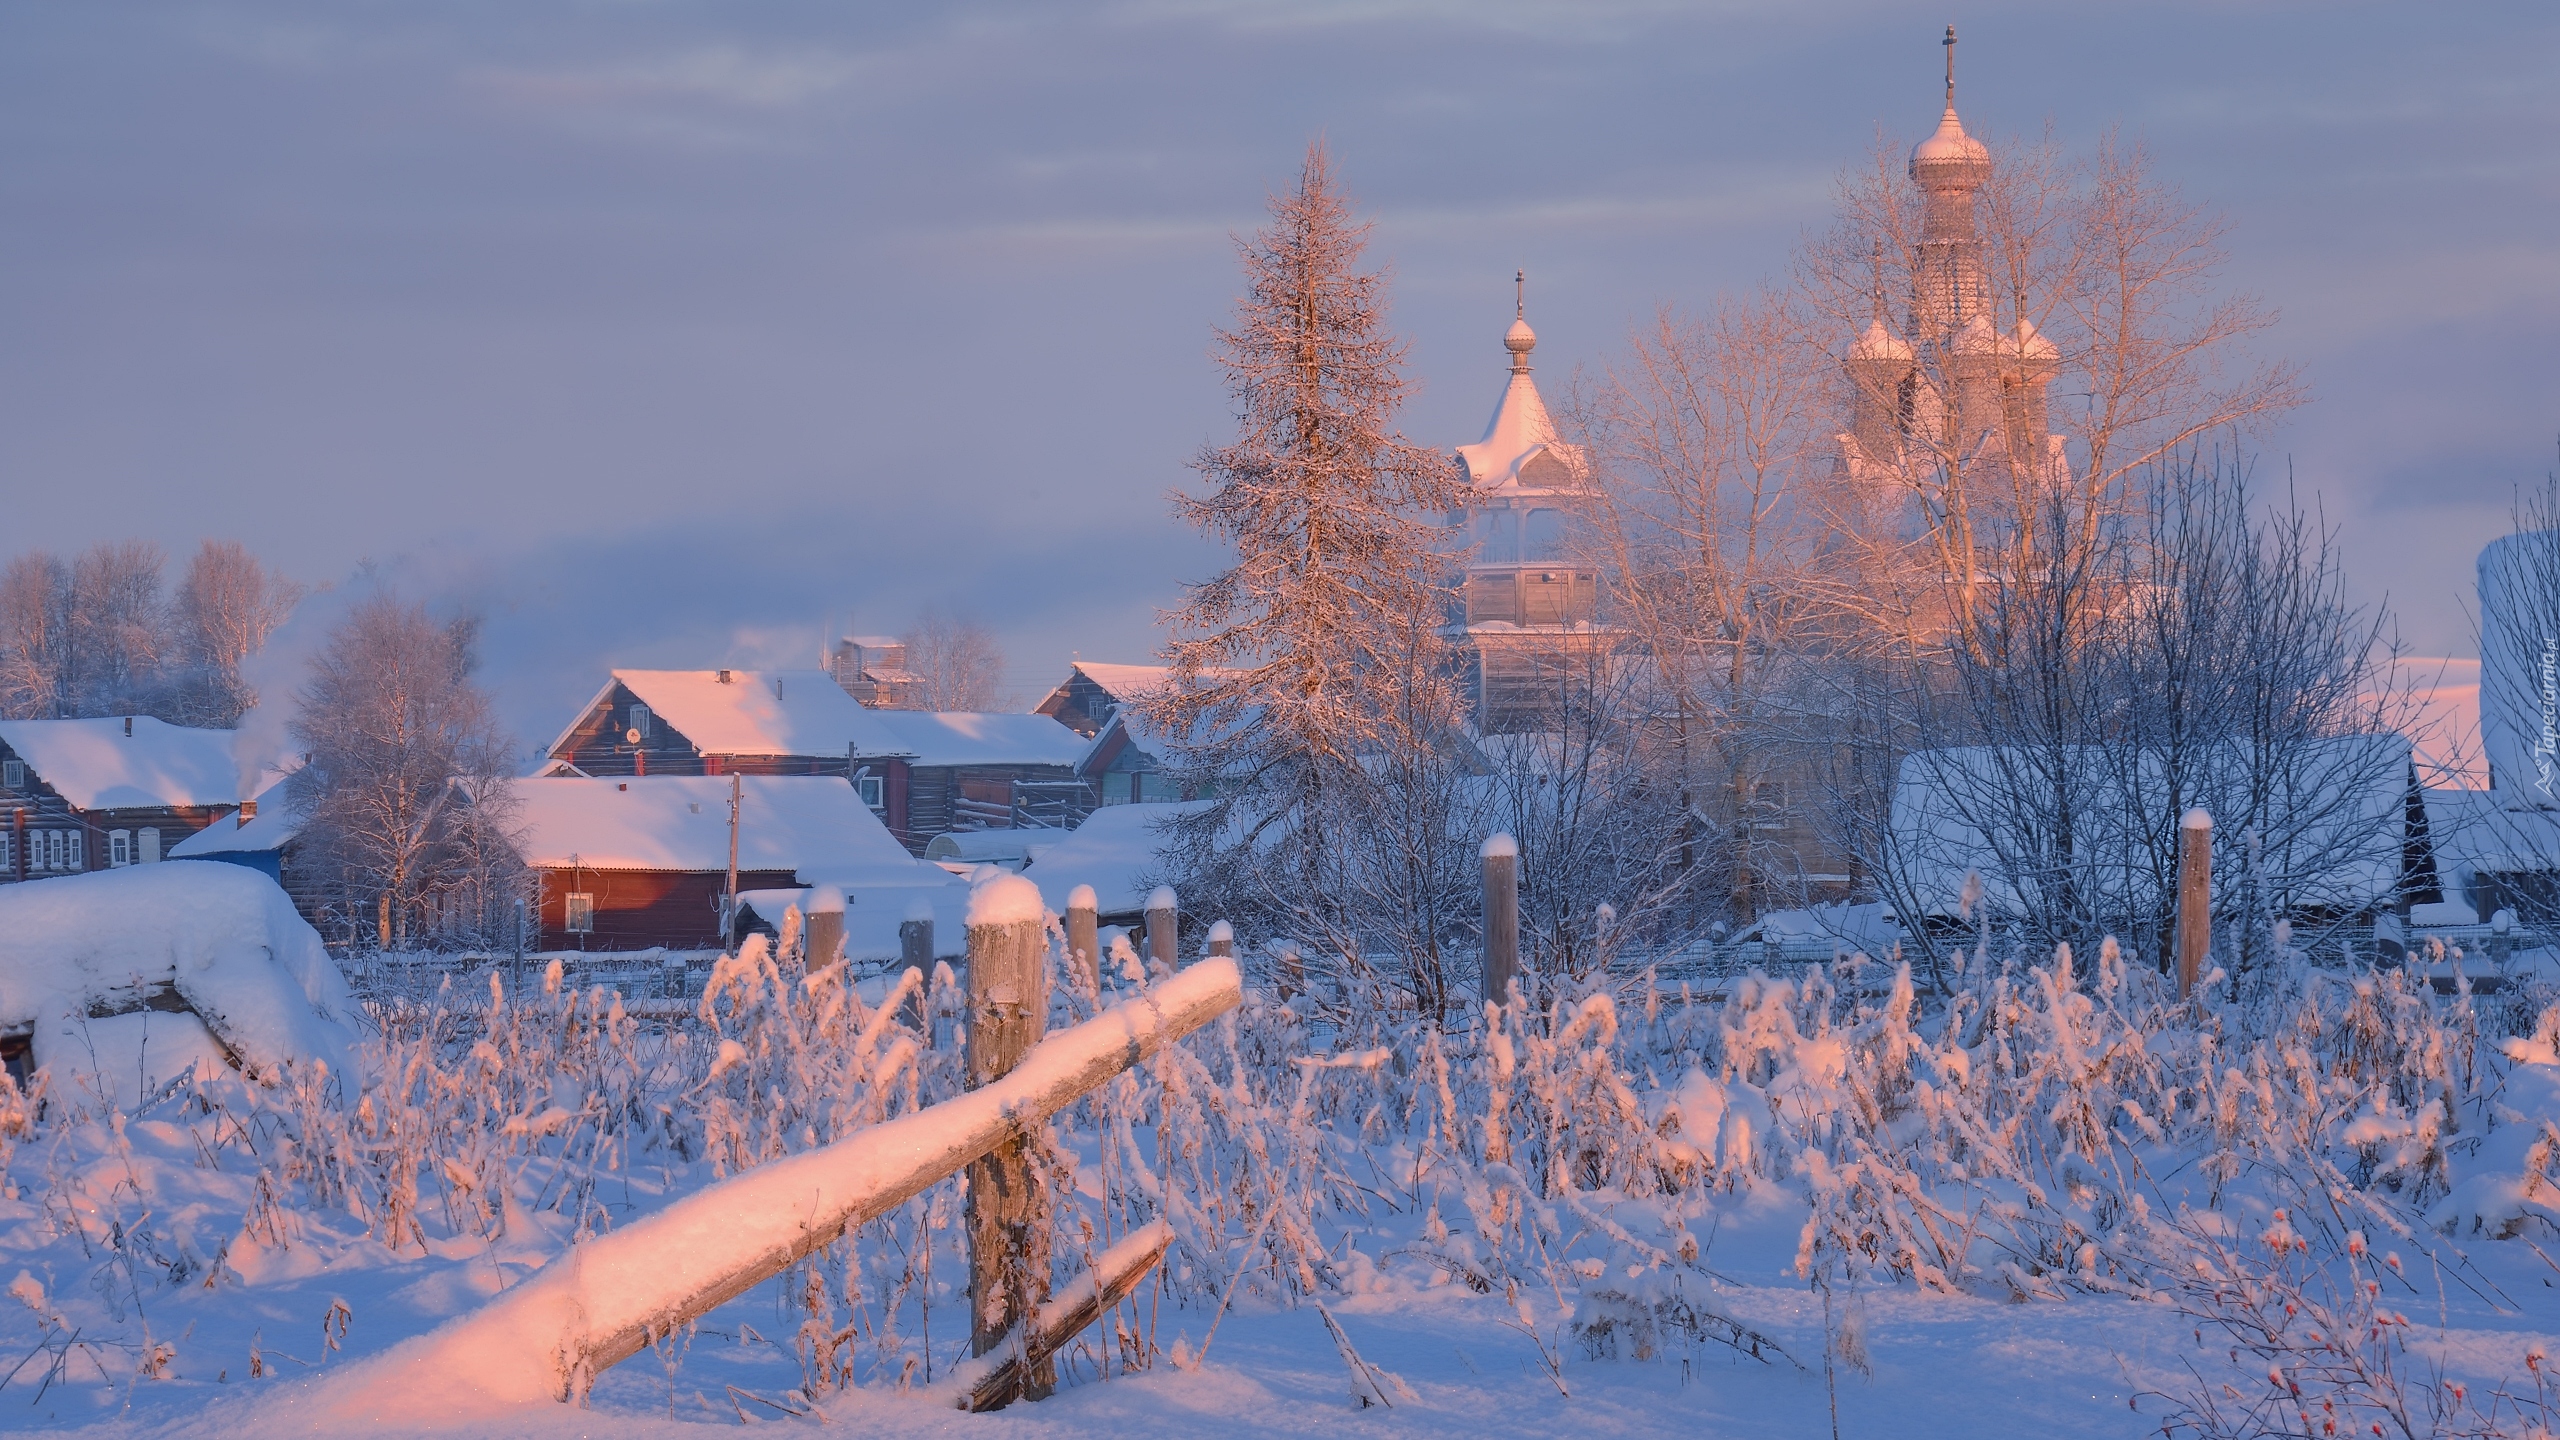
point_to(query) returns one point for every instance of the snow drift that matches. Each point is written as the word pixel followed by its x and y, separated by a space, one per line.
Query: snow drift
pixel 83 955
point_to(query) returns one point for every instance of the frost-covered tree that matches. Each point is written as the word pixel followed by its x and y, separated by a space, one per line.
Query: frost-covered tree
pixel 82 637
pixel 94 635
pixel 226 607
pixel 404 774
pixel 1312 669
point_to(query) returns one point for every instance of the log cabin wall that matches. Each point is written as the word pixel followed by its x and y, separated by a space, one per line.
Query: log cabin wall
pixel 644 909
pixel 931 795
pixel 35 821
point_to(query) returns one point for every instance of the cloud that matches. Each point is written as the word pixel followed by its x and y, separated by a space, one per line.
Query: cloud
pixel 724 74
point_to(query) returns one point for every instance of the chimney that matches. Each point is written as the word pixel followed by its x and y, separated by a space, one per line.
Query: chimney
pixel 724 677
pixel 248 811
pixel 128 727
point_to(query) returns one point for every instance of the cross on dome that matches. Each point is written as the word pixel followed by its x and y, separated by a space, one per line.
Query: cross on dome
pixel 1520 339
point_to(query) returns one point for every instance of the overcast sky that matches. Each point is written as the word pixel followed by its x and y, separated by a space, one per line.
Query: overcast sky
pixel 665 332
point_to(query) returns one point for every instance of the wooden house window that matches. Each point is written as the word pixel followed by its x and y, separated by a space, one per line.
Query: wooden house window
pixel 640 721
pixel 13 774
pixel 873 793
pixel 146 847
pixel 119 848
pixel 580 910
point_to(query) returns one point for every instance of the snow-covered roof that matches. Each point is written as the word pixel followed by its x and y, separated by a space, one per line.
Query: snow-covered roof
pixel 1117 851
pixel 223 936
pixel 963 737
pixel 272 828
pixel 2477 832
pixel 1125 683
pixel 1520 430
pixel 753 712
pixel 815 825
pixel 2340 841
pixel 95 765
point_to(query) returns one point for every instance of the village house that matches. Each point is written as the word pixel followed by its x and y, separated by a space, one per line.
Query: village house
pixel 922 773
pixel 1092 693
pixel 1101 703
pixel 935 772
pixel 80 795
pixel 260 834
pixel 643 862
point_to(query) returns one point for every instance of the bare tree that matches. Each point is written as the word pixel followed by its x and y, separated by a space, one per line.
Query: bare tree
pixel 1311 687
pixel 2201 656
pixel 35 637
pixel 1699 443
pixel 956 662
pixel 398 743
pixel 226 607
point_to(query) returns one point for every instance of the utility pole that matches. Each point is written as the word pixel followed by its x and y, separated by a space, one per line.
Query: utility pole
pixel 729 907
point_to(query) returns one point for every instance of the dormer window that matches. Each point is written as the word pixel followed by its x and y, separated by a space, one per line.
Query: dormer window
pixel 640 718
pixel 13 774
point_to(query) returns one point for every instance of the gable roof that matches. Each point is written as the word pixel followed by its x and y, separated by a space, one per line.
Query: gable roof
pixel 272 828
pixel 96 766
pixel 963 737
pixel 1125 683
pixel 815 825
pixel 753 712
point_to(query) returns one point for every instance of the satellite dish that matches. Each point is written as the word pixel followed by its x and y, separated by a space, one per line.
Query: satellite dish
pixel 632 735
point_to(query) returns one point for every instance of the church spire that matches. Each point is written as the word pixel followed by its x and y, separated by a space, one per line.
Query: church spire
pixel 1950 43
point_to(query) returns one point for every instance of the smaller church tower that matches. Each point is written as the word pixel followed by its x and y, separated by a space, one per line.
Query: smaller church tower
pixel 1530 597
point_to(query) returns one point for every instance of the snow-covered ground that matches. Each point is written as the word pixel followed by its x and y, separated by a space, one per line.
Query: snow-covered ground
pixel 2055 1207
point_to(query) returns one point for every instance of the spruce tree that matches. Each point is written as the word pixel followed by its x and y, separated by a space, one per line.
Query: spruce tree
pixel 1314 664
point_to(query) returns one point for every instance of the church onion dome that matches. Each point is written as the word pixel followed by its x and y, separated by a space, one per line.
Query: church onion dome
pixel 1520 340
pixel 1881 344
pixel 1950 159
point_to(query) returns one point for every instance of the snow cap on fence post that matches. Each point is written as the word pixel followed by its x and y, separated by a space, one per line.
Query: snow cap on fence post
pixel 1501 855
pixel 1163 922
pixel 2195 897
pixel 1084 934
pixel 1222 939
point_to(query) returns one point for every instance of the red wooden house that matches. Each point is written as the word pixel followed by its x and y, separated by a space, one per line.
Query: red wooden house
pixel 634 863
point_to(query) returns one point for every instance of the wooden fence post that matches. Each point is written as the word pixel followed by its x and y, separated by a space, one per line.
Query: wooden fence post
pixel 2195 897
pixel 915 952
pixel 825 943
pixel 1008 1204
pixel 1501 856
pixel 1163 927
pixel 1084 935
pixel 1222 939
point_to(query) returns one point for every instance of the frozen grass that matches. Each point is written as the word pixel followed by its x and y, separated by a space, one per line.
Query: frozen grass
pixel 2062 1201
